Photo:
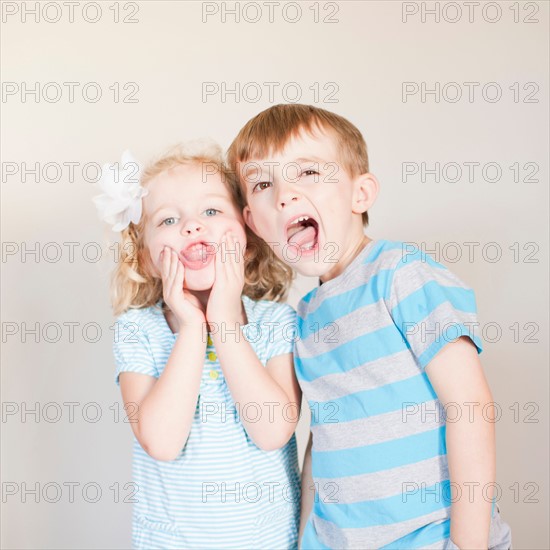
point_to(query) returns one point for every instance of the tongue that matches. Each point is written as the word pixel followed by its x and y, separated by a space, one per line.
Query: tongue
pixel 195 255
pixel 304 236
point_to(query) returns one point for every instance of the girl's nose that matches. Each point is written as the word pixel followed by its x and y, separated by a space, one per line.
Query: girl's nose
pixel 191 227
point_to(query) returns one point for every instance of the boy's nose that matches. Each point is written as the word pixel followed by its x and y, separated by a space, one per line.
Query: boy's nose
pixel 287 202
pixel 286 197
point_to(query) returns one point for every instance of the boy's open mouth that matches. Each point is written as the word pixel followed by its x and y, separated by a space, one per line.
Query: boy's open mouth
pixel 303 232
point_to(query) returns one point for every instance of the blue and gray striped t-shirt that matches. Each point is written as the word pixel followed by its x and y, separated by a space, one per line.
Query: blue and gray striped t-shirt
pixel 379 456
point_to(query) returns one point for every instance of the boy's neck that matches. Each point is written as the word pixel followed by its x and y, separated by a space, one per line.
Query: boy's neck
pixel 346 259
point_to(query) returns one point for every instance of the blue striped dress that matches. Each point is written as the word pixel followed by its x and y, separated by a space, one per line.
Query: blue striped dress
pixel 379 457
pixel 221 491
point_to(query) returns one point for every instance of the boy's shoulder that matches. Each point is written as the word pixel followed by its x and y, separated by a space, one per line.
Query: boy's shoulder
pixel 383 265
pixel 391 255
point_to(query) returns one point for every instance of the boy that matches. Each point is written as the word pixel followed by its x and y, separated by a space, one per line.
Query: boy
pixel 384 344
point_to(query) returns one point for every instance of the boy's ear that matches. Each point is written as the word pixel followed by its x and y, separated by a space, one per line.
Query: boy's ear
pixel 247 215
pixel 365 192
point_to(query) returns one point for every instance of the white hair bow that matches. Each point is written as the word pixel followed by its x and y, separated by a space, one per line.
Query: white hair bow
pixel 120 202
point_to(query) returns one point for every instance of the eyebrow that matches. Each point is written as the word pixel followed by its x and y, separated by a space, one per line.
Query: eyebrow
pixel 310 159
pixel 209 196
pixel 257 168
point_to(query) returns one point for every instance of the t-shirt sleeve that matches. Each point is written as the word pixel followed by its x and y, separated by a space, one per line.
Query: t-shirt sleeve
pixel 131 347
pixel 430 306
pixel 282 332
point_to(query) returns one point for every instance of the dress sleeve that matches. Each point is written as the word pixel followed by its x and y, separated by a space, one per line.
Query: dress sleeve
pixel 430 306
pixel 283 330
pixel 131 346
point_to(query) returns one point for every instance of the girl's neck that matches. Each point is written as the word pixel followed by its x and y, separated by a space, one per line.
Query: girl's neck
pixel 201 296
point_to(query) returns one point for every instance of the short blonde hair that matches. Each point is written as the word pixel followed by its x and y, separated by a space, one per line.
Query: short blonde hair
pixel 133 286
pixel 269 131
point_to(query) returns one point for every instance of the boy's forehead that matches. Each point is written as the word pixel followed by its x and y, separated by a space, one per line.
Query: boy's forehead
pixel 319 146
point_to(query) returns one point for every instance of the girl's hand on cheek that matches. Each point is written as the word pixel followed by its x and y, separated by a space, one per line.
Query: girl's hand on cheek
pixel 183 305
pixel 224 304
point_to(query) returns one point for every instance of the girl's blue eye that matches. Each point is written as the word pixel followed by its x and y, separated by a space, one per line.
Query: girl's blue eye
pixel 260 185
pixel 211 210
pixel 169 221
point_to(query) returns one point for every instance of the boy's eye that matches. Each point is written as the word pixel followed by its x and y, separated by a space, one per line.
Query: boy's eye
pixel 310 172
pixel 212 212
pixel 261 186
pixel 169 221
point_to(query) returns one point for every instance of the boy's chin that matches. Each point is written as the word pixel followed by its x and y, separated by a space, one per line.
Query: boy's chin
pixel 311 268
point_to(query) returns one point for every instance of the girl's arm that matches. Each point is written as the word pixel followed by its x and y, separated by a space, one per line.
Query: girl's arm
pixel 166 406
pixel 308 491
pixel 457 377
pixel 271 392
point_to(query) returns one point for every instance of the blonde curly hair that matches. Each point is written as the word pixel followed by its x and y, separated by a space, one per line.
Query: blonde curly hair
pixel 133 285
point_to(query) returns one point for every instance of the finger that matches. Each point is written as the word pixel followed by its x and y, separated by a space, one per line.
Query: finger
pixel 172 269
pixel 218 263
pixel 183 274
pixel 166 292
pixel 178 280
pixel 237 263
pixel 168 267
pixel 165 262
pixel 238 247
pixel 173 264
pixel 166 284
pixel 227 258
pixel 234 261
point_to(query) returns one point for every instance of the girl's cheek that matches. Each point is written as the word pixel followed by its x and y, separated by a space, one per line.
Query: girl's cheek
pixel 155 250
pixel 148 263
pixel 238 229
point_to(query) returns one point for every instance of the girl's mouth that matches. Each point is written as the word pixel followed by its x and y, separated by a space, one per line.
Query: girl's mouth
pixel 198 255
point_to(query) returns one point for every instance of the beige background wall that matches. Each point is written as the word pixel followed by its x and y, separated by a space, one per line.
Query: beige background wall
pixel 167 66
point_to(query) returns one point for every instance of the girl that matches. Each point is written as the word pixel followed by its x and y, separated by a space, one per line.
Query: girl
pixel 203 363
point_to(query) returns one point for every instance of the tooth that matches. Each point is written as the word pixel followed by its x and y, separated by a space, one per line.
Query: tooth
pixel 300 219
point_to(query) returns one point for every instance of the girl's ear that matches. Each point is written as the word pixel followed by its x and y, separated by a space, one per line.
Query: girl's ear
pixel 247 215
pixel 365 192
